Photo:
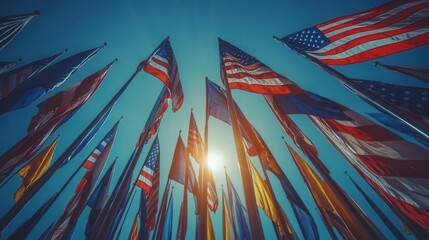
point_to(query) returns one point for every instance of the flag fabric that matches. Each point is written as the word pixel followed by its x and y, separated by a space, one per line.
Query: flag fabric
pixel 238 212
pixel 389 163
pixel 216 102
pixel 162 210
pixel 178 168
pixel 212 199
pixel 227 221
pixel 35 87
pixel 334 211
pixel 78 201
pixel 98 198
pixel 134 233
pixel 162 64
pixel 390 28
pixel 10 80
pixel 195 142
pixel 12 25
pixel 421 74
pixel 168 221
pixel 210 230
pixel 242 71
pixel 4 66
pixel 148 181
pixel 32 172
pixel 183 220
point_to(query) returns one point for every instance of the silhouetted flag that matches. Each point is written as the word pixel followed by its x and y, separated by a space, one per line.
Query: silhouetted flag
pixel 162 64
pixel 32 172
pixel 12 25
pixel 98 198
pixel 183 221
pixel 390 28
pixel 168 221
pixel 35 87
pixel 227 221
pixel 421 74
pixel 52 114
pixel 134 229
pixel 195 142
pixel 238 212
pixel 248 73
pixel 4 66
pixel 148 181
pixel 82 193
pixel 10 80
pixel 395 167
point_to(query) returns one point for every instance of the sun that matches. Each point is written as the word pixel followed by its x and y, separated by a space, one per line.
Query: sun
pixel 214 160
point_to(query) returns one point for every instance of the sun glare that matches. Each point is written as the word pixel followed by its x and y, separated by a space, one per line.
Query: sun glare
pixel 214 160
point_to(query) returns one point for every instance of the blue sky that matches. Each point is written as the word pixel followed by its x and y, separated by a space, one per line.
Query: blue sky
pixel 132 30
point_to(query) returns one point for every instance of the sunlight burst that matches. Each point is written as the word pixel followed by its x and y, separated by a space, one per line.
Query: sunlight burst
pixel 214 160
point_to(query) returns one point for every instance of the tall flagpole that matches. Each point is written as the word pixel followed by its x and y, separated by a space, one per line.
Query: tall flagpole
pixel 246 177
pixel 328 227
pixel 378 102
pixel 17 208
pixel 181 233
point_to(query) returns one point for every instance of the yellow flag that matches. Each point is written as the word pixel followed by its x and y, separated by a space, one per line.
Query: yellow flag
pixel 226 223
pixel 32 172
pixel 210 232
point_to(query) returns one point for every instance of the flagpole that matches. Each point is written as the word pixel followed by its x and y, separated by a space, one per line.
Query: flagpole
pixel 125 216
pixel 249 192
pixel 331 233
pixel 161 213
pixel 378 102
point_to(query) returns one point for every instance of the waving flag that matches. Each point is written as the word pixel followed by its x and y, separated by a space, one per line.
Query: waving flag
pixel 227 221
pixel 395 167
pixel 212 199
pixel 10 80
pixel 162 64
pixel 421 74
pixel 195 142
pixel 12 25
pixel 390 28
pixel 35 87
pixel 248 73
pixel 148 181
pixel 168 221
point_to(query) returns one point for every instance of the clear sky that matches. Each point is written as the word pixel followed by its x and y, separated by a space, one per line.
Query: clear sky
pixel 132 30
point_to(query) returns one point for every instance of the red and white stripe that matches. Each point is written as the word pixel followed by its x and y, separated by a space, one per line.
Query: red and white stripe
pixel 396 168
pixel 89 162
pixel 145 179
pixel 390 28
pixel 256 77
pixel 195 142
pixel 152 202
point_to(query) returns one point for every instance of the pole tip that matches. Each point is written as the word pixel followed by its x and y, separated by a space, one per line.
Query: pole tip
pixel 65 50
pixel 192 109
pixel 345 172
pixel 36 13
pixel 180 131
pixel 116 59
pixel 19 59
pixel 121 117
pixel 105 43
pixel 376 63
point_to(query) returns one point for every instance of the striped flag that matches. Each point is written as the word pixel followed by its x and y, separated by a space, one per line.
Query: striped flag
pixel 10 80
pixel 195 142
pixel 396 168
pixel 421 74
pixel 390 28
pixel 12 25
pixel 162 64
pixel 245 72
pixel 148 181
pixel 212 198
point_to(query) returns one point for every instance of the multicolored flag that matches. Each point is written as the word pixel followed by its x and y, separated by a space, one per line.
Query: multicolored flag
pixel 421 74
pixel 12 25
pixel 390 28
pixel 242 71
pixel 212 199
pixel 10 80
pixel 162 64
pixel 32 172
pixel 148 181
pixel 35 87
pixel 195 142
pixel 134 233
pixel 227 221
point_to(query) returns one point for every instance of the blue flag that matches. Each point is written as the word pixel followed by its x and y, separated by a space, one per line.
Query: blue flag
pixel 35 87
pixel 168 221
pixel 216 102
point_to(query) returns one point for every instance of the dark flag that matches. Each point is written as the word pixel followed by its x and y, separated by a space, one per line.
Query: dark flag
pixel 390 28
pixel 168 221
pixel 421 74
pixel 35 87
pixel 162 64
pixel 12 25
pixel 10 80
pixel 4 66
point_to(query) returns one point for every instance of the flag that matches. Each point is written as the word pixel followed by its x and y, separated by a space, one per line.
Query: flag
pixel 168 221
pixel 334 211
pixel 35 87
pixel 227 221
pixel 10 80
pixel 216 102
pixel 178 167
pixel 242 71
pixel 32 172
pixel 162 64
pixel 390 28
pixel 195 142
pixel 78 201
pixel 421 74
pixel 389 163
pixel 4 66
pixel 134 229
pixel 183 220
pixel 212 199
pixel 238 212
pixel 148 181
pixel 161 216
pixel 210 230
pixel 12 25
pixel 98 198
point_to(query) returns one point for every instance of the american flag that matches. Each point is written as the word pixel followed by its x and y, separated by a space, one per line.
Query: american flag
pixel 248 73
pixel 195 142
pixel 396 168
pixel 393 27
pixel 9 80
pixel 162 64
pixel 94 156
pixel 149 181
pixel 212 198
pixel 12 25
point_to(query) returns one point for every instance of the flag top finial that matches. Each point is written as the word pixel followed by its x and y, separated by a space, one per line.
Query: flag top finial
pixel 376 63
pixel 36 13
